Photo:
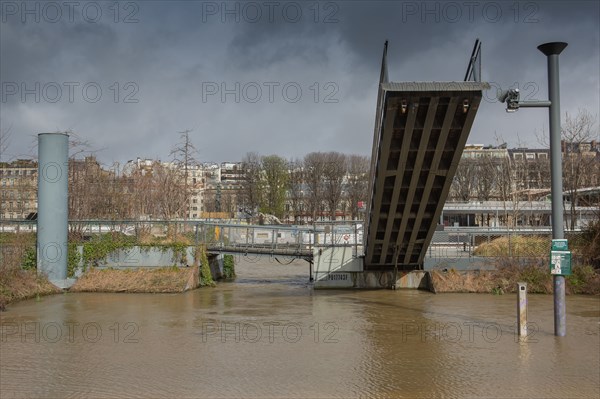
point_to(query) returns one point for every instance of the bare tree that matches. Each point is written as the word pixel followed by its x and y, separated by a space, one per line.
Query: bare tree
pixel 578 158
pixel 140 183
pixel 157 191
pixel 465 180
pixel 357 183
pixel 228 201
pixel 210 201
pixel 170 197
pixel 4 143
pixel 184 155
pixel 95 192
pixel 504 181
pixel 486 170
pixel 541 172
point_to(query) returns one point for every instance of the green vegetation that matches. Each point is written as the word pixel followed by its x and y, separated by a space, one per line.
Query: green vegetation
pixel 535 274
pixel 206 278
pixel 274 183
pixel 179 251
pixel 526 259
pixel 99 247
pixel 29 259
pixel 228 266
pixel 18 276
pixel 584 280
pixel 73 259
pixel 591 246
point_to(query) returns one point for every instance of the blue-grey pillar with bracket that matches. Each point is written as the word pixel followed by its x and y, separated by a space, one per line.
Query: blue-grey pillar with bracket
pixel 552 51
pixel 52 220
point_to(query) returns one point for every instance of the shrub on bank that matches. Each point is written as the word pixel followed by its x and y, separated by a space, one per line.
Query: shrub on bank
pixel 583 280
pixel 18 276
pixel 228 267
pixel 534 272
pixel 591 249
pixel 514 246
pixel 206 278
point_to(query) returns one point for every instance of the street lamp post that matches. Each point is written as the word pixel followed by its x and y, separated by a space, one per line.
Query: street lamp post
pixel 551 50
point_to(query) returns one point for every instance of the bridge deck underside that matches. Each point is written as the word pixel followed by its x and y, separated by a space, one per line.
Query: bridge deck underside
pixel 283 251
pixel 421 136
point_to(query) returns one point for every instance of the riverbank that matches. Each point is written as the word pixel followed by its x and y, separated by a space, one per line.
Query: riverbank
pixel 17 285
pixel 182 269
pixel 155 280
pixel 584 280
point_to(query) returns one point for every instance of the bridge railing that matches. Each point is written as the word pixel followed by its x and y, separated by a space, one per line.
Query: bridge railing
pixel 510 244
pixel 280 239
pixel 277 239
pixel 221 236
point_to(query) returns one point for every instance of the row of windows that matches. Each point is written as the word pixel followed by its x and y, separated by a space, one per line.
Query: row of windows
pixel 17 172
pixel 13 215
pixel 14 194
pixel 18 204
pixel 530 155
pixel 13 182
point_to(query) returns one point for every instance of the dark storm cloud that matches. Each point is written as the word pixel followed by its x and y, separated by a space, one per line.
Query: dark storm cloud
pixel 156 71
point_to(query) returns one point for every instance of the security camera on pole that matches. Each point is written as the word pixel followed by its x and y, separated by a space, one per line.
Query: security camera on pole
pixel 559 244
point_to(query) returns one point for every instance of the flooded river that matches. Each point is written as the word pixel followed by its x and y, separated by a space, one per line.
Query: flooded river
pixel 268 334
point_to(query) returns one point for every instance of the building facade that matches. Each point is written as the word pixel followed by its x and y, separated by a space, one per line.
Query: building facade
pixel 18 184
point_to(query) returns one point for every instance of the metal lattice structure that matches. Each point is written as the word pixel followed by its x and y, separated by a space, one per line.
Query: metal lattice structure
pixel 420 131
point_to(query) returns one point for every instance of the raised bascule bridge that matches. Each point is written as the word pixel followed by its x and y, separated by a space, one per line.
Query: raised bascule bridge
pixel 420 132
pixel 421 129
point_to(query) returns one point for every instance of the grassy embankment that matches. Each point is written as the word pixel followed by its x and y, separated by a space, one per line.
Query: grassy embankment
pixel 19 279
pixel 177 278
pixel 527 261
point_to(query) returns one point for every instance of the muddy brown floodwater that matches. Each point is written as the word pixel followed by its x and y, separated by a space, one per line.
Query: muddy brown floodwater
pixel 268 334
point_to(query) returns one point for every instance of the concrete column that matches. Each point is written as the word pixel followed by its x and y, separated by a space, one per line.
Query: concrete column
pixel 52 220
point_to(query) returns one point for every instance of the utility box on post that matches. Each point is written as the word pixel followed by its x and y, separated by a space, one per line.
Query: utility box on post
pixel 560 258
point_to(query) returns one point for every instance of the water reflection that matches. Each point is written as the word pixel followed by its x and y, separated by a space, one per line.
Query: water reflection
pixel 269 335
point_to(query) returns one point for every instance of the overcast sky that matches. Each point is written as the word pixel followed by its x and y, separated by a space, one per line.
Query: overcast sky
pixel 273 77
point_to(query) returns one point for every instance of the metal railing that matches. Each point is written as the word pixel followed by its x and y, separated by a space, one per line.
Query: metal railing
pixel 232 236
pixel 285 240
pixel 301 241
pixel 496 243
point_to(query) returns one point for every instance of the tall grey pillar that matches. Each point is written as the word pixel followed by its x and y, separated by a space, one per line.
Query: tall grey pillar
pixel 52 220
pixel 551 51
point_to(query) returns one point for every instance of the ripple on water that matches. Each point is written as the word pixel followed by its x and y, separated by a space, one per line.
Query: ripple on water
pixel 338 344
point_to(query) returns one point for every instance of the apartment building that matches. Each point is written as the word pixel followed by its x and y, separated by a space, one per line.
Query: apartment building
pixel 18 183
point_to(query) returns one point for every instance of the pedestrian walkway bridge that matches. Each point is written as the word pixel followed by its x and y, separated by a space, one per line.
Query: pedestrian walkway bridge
pixel 285 241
